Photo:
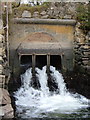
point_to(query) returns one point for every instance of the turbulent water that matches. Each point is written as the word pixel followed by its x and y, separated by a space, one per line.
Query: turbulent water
pixel 41 103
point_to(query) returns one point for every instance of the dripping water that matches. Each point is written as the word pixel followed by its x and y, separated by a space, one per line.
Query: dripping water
pixel 41 102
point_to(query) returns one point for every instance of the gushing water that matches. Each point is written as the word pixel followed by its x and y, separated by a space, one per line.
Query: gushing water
pixel 42 76
pixel 59 80
pixel 33 103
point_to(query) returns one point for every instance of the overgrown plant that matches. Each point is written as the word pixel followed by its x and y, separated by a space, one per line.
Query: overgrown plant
pixel 83 16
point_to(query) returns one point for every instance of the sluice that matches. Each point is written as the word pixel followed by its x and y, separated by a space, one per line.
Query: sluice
pixel 39 61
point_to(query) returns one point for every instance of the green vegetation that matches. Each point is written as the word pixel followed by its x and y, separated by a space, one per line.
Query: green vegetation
pixel 32 9
pixel 83 16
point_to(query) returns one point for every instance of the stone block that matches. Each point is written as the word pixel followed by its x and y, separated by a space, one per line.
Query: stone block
pixel 7 111
pixel 45 16
pixel 1 45
pixel 50 12
pixel 77 39
pixel 85 62
pixel 89 33
pixel 1 96
pixel 1 60
pixel 43 13
pixel 2 81
pixel 67 17
pixel 85 58
pixel 1 38
pixel 1 112
pixel 1 31
pixel 1 51
pixel 86 54
pixel 1 24
pixel 26 14
pixel 36 14
pixel 85 47
pixel 6 97
pixel 55 12
pixel 1 69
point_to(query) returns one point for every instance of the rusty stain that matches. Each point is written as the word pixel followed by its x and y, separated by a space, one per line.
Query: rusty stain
pixel 58 28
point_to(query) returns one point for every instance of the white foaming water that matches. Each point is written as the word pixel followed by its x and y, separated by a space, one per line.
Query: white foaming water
pixel 39 103
pixel 59 80
pixel 42 76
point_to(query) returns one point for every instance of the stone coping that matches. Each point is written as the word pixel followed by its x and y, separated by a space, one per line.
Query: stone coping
pixel 44 21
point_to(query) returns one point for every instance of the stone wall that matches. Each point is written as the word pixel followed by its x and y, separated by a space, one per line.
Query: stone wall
pixel 82 50
pixel 2 55
pixel 57 10
pixel 6 109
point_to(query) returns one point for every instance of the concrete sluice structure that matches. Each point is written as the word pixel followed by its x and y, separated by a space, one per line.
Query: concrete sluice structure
pixel 39 55
pixel 35 43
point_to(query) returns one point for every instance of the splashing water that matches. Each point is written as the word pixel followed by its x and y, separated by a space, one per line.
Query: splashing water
pixel 42 76
pixel 34 103
pixel 59 80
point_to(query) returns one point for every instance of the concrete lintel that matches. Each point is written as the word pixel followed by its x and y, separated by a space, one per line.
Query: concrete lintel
pixel 39 51
pixel 44 21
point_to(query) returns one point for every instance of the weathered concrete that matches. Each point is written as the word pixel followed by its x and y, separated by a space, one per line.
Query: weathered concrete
pixel 42 37
pixel 44 21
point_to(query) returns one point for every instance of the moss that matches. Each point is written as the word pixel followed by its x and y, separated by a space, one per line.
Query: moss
pixel 19 10
pixel 83 16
